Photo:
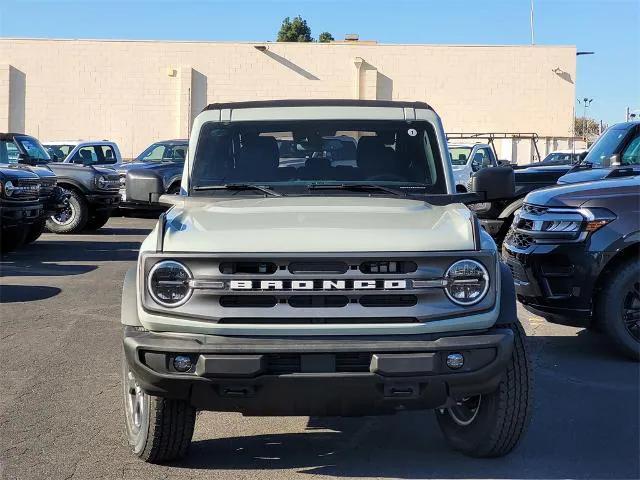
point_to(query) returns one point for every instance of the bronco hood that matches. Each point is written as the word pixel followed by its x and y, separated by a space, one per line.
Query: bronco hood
pixel 317 224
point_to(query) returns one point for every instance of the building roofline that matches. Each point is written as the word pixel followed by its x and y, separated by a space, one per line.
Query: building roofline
pixel 318 103
pixel 300 44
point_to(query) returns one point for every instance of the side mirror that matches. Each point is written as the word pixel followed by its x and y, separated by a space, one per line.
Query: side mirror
pixel 143 186
pixel 614 160
pixel 494 183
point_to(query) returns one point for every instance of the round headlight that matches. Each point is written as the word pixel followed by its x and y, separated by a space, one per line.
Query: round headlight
pixel 168 283
pixel 101 182
pixel 467 282
pixel 9 188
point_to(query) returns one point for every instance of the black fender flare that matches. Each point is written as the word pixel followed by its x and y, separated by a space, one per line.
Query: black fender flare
pixel 508 310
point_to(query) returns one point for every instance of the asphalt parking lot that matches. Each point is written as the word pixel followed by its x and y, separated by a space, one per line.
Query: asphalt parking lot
pixel 60 406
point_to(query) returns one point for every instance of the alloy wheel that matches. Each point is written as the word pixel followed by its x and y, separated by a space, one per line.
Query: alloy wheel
pixel 631 310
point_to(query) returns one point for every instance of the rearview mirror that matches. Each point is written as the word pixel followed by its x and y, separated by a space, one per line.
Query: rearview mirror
pixel 494 183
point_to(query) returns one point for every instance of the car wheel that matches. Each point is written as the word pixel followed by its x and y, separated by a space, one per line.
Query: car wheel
pixel 73 218
pixel 491 425
pixel 618 308
pixel 98 220
pixel 35 231
pixel 158 429
pixel 12 238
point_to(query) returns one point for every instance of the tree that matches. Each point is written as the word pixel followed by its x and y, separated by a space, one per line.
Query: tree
pixel 295 30
pixel 586 127
pixel 325 37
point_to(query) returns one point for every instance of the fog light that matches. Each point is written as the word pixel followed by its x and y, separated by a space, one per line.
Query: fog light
pixel 182 363
pixel 455 360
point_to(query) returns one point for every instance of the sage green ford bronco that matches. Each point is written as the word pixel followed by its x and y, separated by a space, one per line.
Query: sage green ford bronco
pixel 318 261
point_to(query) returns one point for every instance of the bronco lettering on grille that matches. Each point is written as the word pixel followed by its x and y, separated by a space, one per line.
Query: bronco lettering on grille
pixel 317 284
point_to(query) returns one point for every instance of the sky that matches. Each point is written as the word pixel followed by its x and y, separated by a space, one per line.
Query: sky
pixel 610 28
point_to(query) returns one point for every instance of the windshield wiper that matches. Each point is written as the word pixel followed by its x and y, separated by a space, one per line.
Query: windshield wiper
pixel 356 186
pixel 240 186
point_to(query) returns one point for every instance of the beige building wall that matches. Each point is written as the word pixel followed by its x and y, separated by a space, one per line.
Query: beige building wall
pixel 137 92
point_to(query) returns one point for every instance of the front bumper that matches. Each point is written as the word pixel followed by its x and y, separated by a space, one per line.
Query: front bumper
pixel 556 281
pixel 344 375
pixel 104 201
pixel 14 214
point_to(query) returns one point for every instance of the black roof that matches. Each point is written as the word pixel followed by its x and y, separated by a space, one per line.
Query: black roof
pixel 318 103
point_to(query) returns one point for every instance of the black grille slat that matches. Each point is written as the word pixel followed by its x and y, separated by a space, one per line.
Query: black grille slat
pixel 248 301
pixel 519 240
pixel 288 363
pixel 389 301
pixel 318 301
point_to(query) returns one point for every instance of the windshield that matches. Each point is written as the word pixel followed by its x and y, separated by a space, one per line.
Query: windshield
pixel 605 147
pixel 164 152
pixel 58 152
pixel 459 155
pixel 559 158
pixel 10 150
pixel 299 154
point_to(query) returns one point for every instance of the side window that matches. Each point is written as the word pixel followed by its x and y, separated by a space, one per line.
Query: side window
pixel 479 160
pixel 106 154
pixel 12 152
pixel 490 157
pixel 85 155
pixel 631 154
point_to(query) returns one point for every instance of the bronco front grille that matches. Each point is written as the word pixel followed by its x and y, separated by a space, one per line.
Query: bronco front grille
pixel 320 289
pixel 26 188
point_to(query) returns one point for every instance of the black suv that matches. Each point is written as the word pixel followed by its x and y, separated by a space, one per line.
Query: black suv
pixel 20 206
pixel 92 191
pixel 574 254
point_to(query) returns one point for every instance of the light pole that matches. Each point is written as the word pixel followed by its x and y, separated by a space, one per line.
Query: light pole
pixel 585 103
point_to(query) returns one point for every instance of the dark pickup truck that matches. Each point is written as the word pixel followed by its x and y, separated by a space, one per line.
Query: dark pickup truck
pixel 615 154
pixel 574 253
pixel 92 191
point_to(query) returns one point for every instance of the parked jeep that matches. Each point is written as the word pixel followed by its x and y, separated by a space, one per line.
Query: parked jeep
pixel 269 289
pixel 20 206
pixel 13 149
pixel 92 191
pixel 467 159
pixel 574 251
pixel 166 160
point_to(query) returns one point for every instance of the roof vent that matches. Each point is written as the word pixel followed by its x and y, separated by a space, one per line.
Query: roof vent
pixel 351 37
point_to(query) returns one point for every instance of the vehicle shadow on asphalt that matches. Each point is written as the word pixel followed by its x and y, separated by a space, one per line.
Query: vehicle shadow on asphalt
pixel 45 258
pixel 26 293
pixel 584 424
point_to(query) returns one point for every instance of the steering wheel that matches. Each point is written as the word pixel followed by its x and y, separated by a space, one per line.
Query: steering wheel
pixel 392 177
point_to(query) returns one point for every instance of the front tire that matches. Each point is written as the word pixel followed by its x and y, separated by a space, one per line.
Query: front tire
pixel 491 425
pixel 158 429
pixel 618 308
pixel 73 218
pixel 98 220
pixel 35 231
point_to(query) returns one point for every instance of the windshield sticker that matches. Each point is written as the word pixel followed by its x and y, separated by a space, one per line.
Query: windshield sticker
pixel 412 132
